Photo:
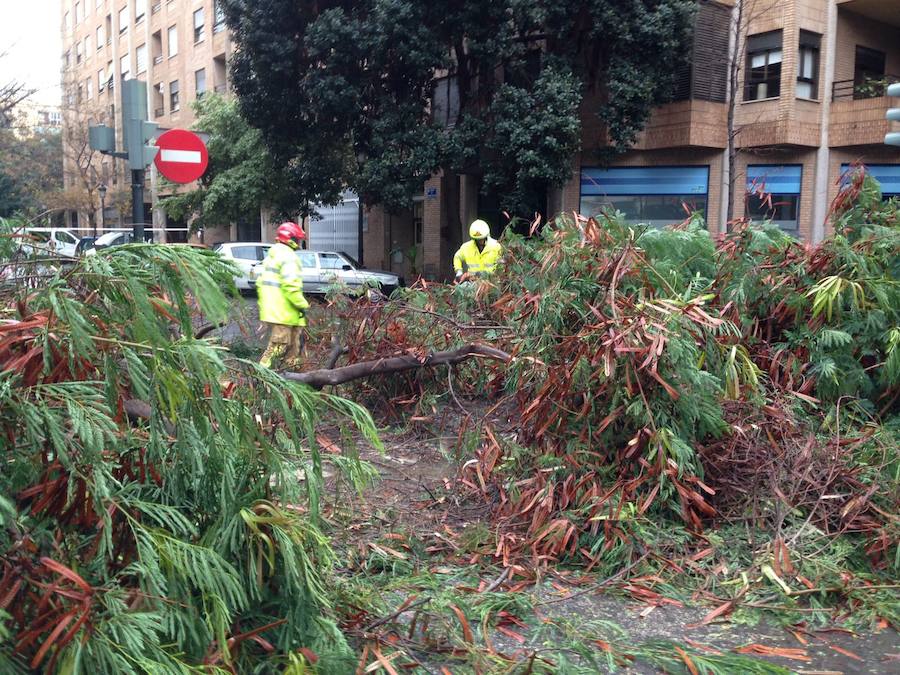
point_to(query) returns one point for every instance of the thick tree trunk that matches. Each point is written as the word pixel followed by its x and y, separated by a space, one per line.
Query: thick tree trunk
pixel 396 364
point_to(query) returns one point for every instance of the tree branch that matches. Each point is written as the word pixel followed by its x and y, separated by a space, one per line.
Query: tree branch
pixel 396 364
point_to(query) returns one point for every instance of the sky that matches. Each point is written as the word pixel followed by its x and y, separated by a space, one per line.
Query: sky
pixel 30 34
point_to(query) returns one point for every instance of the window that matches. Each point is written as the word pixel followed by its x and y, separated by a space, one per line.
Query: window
pixel 764 57
pixel 200 82
pixel 139 10
pixel 101 80
pixel 808 65
pixel 79 12
pixel 331 261
pixel 110 75
pixel 868 73
pixel 218 17
pixel 123 19
pixel 173 41
pixel 89 88
pixel 246 252
pixel 887 175
pixel 80 97
pixel 125 66
pixel 140 55
pixel 198 25
pixel 107 32
pixel 173 96
pixel 99 37
pixel 445 101
pixel 67 20
pixel 656 196
pixel 87 46
pixel 307 260
pixel 78 52
pixel 773 194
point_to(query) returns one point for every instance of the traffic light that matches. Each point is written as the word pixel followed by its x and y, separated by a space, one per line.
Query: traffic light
pixel 893 114
pixel 137 130
pixel 102 138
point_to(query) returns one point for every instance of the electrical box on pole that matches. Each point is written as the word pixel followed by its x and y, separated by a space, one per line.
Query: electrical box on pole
pixel 138 133
pixel 893 114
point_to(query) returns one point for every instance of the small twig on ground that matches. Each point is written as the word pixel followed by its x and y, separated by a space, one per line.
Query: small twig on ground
pixel 453 393
pixel 495 584
pixel 598 586
pixel 393 615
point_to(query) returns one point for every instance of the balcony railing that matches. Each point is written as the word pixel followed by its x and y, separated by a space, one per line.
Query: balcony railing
pixel 156 7
pixel 872 87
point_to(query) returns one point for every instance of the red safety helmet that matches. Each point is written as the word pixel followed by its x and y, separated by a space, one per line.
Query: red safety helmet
pixel 289 233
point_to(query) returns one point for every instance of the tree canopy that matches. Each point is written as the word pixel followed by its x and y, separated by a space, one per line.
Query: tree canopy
pixel 378 95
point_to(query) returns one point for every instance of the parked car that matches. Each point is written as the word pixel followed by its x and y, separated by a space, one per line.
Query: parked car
pixel 84 245
pixel 53 240
pixel 108 239
pixel 245 255
pixel 321 269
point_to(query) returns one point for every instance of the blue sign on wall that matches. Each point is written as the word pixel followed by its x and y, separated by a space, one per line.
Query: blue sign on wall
pixel 672 180
pixel 431 192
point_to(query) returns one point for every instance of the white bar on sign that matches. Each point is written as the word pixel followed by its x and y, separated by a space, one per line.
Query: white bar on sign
pixel 182 156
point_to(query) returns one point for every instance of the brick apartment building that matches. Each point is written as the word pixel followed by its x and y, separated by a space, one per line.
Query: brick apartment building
pixel 179 47
pixel 809 101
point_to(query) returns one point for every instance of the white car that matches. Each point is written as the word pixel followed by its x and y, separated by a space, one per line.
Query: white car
pixel 244 255
pixel 108 239
pixel 321 269
pixel 53 240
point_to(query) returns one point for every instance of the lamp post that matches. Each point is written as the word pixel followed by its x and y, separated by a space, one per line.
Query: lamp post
pixel 102 190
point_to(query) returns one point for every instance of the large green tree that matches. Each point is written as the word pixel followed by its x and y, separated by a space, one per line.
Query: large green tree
pixel 352 93
pixel 31 170
pixel 242 174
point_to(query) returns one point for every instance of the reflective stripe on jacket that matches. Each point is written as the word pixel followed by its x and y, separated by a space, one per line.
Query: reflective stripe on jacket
pixel 475 261
pixel 280 288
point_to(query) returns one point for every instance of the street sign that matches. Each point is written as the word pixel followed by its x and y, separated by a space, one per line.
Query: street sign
pixel 182 157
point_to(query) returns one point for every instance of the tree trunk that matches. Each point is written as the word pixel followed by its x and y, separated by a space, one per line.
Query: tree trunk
pixel 733 83
pixel 396 364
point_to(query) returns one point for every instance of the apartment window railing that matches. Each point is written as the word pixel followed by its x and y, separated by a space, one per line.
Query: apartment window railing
pixel 157 60
pixel 871 87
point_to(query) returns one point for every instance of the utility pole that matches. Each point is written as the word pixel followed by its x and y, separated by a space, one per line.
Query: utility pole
pixel 137 132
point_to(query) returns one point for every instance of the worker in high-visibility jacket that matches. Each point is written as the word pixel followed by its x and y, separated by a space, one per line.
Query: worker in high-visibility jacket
pixel 479 256
pixel 282 304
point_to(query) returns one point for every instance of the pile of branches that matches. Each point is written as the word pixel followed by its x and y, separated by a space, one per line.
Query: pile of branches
pixel 159 500
pixel 648 367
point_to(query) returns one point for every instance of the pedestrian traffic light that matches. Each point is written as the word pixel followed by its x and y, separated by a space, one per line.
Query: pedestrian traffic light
pixel 137 130
pixel 893 114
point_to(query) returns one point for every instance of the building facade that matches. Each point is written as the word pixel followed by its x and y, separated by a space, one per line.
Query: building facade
pixel 808 101
pixel 180 48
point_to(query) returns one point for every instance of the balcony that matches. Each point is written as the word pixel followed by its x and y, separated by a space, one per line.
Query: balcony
pixel 872 87
pixel 858 113
pixel 882 11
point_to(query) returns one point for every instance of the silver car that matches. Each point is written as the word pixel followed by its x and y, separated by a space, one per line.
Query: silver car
pixel 322 269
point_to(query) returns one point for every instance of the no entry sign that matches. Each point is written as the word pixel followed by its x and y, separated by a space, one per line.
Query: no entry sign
pixel 182 156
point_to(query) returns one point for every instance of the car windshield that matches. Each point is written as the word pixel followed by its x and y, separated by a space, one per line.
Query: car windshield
pixel 110 238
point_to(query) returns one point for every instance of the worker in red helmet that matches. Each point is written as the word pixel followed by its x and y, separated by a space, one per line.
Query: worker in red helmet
pixel 281 301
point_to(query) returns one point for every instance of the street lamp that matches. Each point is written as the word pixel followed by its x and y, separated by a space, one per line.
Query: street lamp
pixel 102 190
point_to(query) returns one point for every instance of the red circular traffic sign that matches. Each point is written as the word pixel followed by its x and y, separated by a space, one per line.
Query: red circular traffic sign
pixel 182 156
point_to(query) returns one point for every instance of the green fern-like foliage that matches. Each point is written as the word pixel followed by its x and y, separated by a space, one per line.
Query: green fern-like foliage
pixel 183 539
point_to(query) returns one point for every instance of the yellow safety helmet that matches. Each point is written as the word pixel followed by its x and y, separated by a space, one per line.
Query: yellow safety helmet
pixel 479 230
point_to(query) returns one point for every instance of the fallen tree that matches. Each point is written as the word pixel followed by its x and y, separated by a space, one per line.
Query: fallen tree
pixel 153 517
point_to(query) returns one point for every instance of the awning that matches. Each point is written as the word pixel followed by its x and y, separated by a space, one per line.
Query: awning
pixel 673 180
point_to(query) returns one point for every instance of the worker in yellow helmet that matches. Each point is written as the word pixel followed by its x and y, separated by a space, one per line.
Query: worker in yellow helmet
pixel 479 256
pixel 282 304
